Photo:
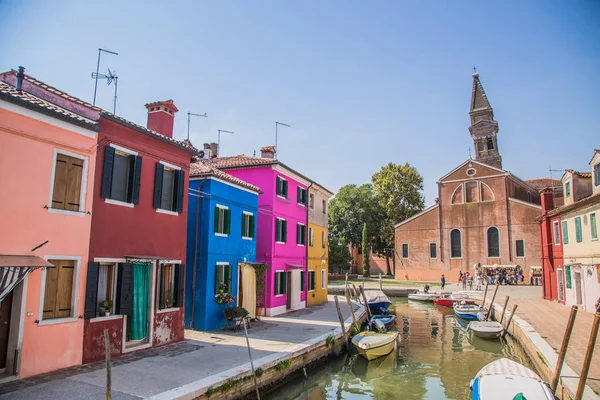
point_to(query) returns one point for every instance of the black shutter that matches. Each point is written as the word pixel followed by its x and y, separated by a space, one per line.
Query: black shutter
pixel 179 284
pixel 283 283
pixel 158 180
pixel 161 287
pixel 278 189
pixel 107 172
pixel 285 188
pixel 124 288
pixel 137 177
pixel 91 290
pixel 180 184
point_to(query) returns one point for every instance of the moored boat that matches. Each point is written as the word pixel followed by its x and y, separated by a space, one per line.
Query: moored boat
pixel 386 319
pixel 468 311
pixel 372 345
pixel 486 329
pixel 420 296
pixel 377 300
pixel 506 379
pixel 449 300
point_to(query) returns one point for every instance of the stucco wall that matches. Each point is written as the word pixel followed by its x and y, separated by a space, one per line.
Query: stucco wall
pixel 318 261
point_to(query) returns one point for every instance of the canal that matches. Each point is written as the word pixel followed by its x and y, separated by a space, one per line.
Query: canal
pixel 437 360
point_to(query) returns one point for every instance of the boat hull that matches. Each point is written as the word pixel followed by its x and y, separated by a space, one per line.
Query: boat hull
pixel 444 302
pixel 388 320
pixel 486 330
pixel 381 348
pixel 379 306
pixel 422 296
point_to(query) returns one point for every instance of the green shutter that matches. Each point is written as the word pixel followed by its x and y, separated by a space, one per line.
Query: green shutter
pixel 568 276
pixel 578 236
pixel 298 233
pixel 275 287
pixel 228 280
pixel 299 194
pixel 277 231
pixel 284 231
pixel 304 194
pixel 277 190
pixel 217 280
pixel 243 224
pixel 227 222
pixel 252 226
pixel 302 281
pixel 217 219
pixel 283 288
pixel 285 188
pixel 565 230
pixel 593 226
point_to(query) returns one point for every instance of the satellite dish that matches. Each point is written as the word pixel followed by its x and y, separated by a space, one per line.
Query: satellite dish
pixel 201 154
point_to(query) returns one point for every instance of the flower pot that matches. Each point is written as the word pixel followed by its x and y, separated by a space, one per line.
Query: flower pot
pixel 107 313
pixel 259 311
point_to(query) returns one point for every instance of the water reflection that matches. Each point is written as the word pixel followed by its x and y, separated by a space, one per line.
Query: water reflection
pixel 438 358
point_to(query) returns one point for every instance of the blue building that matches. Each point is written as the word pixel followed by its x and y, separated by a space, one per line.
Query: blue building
pixel 221 246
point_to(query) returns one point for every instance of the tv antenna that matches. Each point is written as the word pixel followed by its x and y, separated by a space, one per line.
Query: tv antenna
pixel 219 138
pixel 110 77
pixel 100 50
pixel 195 115
pixel 552 180
pixel 276 125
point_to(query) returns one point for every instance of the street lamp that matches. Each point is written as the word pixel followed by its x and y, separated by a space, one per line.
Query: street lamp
pixel 219 138
pixel 276 125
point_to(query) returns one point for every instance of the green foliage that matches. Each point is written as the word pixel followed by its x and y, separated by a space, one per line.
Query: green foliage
pixel 365 252
pixel 331 340
pixel 260 270
pixel 339 255
pixel 353 330
pixel 235 312
pixel 226 386
pixel 259 372
pixel 280 366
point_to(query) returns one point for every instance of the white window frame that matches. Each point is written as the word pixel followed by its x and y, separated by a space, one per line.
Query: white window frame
pixel 306 190
pixel 278 281
pixel 407 251
pixel 128 152
pixel 308 282
pixel 436 251
pixel 487 248
pixel 115 263
pixel 74 292
pixel 222 207
pixel 169 167
pixel 323 240
pixel 244 213
pixel 82 189
pixel 556 228
pixel 279 219
pixel 323 278
pixel 570 191
pixel 298 244
pixel 516 252
pixel 283 179
pixel 161 265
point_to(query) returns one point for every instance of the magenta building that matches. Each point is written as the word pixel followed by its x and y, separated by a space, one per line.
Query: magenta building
pixel 281 234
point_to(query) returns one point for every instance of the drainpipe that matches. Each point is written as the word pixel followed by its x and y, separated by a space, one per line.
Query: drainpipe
pixel 199 199
pixel 308 244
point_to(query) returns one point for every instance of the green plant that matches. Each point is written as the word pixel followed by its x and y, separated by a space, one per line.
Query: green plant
pixel 365 252
pixel 168 299
pixel 280 366
pixel 331 340
pixel 106 305
pixel 260 270
pixel 224 297
pixel 353 330
pixel 235 312
pixel 259 372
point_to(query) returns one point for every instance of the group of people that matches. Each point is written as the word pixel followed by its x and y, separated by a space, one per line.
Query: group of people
pixel 466 279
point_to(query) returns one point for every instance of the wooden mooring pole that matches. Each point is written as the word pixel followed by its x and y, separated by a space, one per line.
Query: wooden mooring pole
pixel 487 282
pixel 588 357
pixel 364 296
pixel 251 361
pixel 355 293
pixel 510 319
pixel 492 303
pixel 504 308
pixel 108 376
pixel 341 317
pixel 351 307
pixel 563 349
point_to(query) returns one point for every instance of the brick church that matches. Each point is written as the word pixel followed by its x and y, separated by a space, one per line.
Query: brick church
pixel 484 216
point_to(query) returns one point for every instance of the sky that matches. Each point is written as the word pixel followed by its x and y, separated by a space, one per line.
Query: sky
pixel 360 83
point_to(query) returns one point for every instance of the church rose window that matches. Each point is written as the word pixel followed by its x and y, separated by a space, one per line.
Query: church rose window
pixel 455 244
pixel 493 242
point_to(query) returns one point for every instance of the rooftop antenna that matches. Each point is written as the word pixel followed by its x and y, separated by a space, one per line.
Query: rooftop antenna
pixel 276 125
pixel 110 77
pixel 195 115
pixel 219 138
pixel 100 50
pixel 474 69
pixel 552 180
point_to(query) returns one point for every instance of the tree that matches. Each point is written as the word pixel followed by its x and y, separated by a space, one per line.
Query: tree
pixel 398 190
pixel 339 255
pixel 365 251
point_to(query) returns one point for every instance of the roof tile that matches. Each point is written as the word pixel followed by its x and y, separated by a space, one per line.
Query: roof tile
pixel 202 168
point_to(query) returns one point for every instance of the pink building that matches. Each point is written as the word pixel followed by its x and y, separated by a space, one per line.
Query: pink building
pixel 47 158
pixel 281 227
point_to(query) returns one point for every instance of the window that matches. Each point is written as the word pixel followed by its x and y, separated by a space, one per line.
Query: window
pixel 312 201
pixel 301 196
pixel 66 188
pixel 568 188
pixel 280 283
pixel 171 286
pixel 593 226
pixel 280 230
pixel 222 220
pixel 311 237
pixel 404 250
pixel 121 175
pixel 300 234
pixel 490 144
pixel 529 197
pixel 323 239
pixel 520 247
pixel 323 279
pixel 578 235
pixel 432 250
pixel 455 244
pixel 311 281
pixel 324 206
pixel 471 192
pixel 565 232
pixel 281 187
pixel 223 276
pixel 302 279
pixel 556 232
pixel 107 273
pixel 493 242
pixel 58 289
pixel 168 188
pixel 597 175
pixel 247 225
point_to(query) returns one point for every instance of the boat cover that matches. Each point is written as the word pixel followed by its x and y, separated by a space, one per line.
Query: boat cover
pixel 376 296
pixel 367 340
pixel 504 366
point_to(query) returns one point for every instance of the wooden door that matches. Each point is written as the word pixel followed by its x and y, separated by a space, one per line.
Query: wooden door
pixel 5 307
pixel 578 287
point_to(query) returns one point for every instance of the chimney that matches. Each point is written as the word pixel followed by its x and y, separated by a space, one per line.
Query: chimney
pixel 20 77
pixel 547 200
pixel 267 152
pixel 161 116
pixel 214 148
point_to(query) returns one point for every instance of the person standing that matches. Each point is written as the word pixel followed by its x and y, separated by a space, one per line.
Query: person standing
pixel 443 282
pixel 470 281
pixel 478 282
pixel 460 275
pixel 597 305
pixel 463 278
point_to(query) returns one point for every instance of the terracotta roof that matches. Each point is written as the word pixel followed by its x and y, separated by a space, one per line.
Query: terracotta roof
pixel 593 199
pixel 268 149
pixel 580 174
pixel 201 168
pixel 596 151
pixel 240 161
pixel 541 183
pixel 9 93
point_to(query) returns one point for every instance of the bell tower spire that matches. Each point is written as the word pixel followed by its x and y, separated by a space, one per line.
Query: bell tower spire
pixel 483 128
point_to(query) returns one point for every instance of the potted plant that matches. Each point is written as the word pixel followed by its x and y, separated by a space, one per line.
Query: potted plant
pixel 168 299
pixel 222 296
pixel 106 306
pixel 260 309
pixel 235 313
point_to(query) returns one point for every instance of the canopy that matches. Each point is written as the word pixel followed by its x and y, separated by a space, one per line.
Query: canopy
pixel 500 266
pixel 14 268
pixel 299 266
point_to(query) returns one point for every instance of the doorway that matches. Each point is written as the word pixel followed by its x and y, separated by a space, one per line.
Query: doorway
pixel 288 290
pixel 578 288
pixel 5 312
pixel 561 284
pixel 247 289
pixel 138 319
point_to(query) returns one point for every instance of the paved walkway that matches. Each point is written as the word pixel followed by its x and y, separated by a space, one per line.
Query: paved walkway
pixel 204 357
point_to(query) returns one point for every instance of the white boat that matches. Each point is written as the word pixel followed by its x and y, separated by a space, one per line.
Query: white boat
pixel 373 345
pixel 420 296
pixel 468 311
pixel 377 300
pixel 505 379
pixel 486 329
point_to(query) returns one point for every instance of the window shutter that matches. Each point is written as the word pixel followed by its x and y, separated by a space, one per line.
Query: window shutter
pixel 298 233
pixel 284 231
pixel 125 289
pixel 299 194
pixel 217 277
pixel 275 284
pixel 73 184
pixel 227 222
pixel 251 226
pixel 565 229
pixel 216 219
pixel 278 186
pixel 180 188
pixel 578 230
pixel 285 188
pixel 304 193
pixel 91 290
pixel 179 285
pixel 283 282
pixel 107 172
pixel 161 287
pixel 228 280
pixel 302 277
pixel 137 177
pixel 244 225
pixel 323 239
pixel 59 191
pixel 277 230
pixel 158 179
pixel 593 226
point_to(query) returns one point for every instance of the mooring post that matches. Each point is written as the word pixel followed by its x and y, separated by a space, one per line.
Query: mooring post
pixel 341 317
pixel 504 308
pixel 355 293
pixel 346 285
pixel 380 282
pixel 510 319
pixel 251 362
pixel 563 349
pixel 364 296
pixel 492 303
pixel 108 377
pixel 352 313
pixel 588 357
pixel 487 282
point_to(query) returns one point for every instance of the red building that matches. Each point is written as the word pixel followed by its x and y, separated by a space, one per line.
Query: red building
pixel 552 249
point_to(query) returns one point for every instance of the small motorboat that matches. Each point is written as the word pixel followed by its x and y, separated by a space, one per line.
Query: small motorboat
pixel 449 300
pixel 372 345
pixel 386 320
pixel 486 329
pixel 468 311
pixel 377 300
pixel 506 379
pixel 420 296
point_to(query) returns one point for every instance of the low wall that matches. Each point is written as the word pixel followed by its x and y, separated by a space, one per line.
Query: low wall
pixel 389 291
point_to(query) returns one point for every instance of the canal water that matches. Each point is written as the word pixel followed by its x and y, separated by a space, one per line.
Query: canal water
pixel 437 360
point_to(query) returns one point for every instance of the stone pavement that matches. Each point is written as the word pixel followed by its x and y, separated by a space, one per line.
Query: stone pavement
pixel 202 357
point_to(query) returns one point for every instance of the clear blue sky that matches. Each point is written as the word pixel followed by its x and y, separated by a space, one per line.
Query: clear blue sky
pixel 361 83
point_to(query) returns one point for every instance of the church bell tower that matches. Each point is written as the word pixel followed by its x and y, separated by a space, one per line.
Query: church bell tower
pixel 483 129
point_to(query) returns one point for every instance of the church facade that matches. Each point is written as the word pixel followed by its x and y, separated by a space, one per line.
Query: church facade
pixel 484 215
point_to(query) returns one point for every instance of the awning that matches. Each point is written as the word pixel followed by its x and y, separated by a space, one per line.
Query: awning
pixel 532 267
pixel 14 268
pixel 298 266
pixel 500 266
pixel 146 258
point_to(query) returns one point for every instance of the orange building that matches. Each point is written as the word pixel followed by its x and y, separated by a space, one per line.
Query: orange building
pixel 47 155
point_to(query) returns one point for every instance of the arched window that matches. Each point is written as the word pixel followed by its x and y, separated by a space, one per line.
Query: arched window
pixel 455 244
pixel 493 242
